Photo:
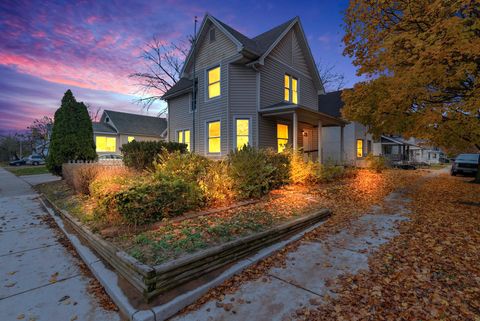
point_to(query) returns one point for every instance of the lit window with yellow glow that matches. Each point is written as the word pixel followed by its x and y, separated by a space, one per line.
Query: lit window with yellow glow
pixel 359 147
pixel 214 82
pixel 286 90
pixel 243 129
pixel 214 137
pixel 130 138
pixel 282 137
pixel 184 138
pixel 294 91
pixel 106 144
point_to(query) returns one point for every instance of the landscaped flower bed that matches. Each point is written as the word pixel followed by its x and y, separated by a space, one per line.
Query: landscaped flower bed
pixel 157 227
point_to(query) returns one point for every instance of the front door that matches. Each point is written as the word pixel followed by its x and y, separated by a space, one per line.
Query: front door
pixel 307 143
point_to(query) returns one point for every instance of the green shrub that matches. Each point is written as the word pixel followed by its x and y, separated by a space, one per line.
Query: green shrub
pixel 216 183
pixel 376 163
pixel 141 155
pixel 188 166
pixel 250 171
pixel 153 200
pixel 303 171
pixel 330 172
pixel 280 163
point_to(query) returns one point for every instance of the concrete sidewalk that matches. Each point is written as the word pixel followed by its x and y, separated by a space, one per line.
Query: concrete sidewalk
pixel 40 278
pixel 310 270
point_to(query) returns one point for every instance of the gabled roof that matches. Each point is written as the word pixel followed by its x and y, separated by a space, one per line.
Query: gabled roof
pixel 260 46
pixel 101 127
pixel 331 103
pixel 183 85
pixel 126 123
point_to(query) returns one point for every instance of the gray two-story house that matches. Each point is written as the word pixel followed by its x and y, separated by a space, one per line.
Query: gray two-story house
pixel 261 91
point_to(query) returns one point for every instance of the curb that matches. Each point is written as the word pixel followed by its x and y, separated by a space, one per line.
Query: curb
pixel 109 279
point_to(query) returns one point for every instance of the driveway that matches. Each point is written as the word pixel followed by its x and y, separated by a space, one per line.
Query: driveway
pixel 40 279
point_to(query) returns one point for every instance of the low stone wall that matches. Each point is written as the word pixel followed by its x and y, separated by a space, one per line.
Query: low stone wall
pixel 152 281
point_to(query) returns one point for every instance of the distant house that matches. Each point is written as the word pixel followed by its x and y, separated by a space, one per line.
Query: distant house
pixel 261 91
pixel 397 148
pixel 117 128
pixel 357 141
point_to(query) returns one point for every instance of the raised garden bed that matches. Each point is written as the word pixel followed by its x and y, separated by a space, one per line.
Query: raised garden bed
pixel 152 280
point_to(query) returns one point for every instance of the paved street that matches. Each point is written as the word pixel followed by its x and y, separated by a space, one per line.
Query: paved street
pixel 39 278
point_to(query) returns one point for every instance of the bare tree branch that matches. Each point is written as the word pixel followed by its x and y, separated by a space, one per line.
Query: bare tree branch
pixel 332 80
pixel 162 66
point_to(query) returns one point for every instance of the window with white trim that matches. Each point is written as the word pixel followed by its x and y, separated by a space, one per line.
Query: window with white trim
pixel 290 89
pixel 282 137
pixel 242 126
pixel 214 82
pixel 214 138
pixel 183 136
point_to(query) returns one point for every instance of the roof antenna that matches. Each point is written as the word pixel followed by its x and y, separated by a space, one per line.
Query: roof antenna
pixel 194 93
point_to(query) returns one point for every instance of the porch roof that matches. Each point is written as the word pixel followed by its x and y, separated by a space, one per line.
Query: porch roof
pixel 305 114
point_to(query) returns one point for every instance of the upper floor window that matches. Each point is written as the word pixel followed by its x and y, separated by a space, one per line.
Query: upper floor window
pixel 243 130
pixel 290 89
pixel 214 137
pixel 282 137
pixel 183 136
pixel 359 148
pixel 214 82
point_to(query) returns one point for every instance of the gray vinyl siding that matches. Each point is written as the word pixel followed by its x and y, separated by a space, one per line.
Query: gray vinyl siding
pixel 242 100
pixel 287 58
pixel 179 114
pixel 217 53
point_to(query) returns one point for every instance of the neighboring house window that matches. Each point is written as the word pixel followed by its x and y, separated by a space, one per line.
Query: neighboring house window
pixel 214 82
pixel 359 147
pixel 243 130
pixel 282 137
pixel 434 155
pixel 290 91
pixel 106 144
pixel 369 146
pixel 214 137
pixel 212 35
pixel 130 138
pixel 184 138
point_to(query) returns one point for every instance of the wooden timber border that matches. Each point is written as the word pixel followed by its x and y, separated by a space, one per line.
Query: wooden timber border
pixel 153 280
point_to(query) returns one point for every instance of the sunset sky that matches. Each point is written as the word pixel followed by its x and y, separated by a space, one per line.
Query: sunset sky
pixel 47 47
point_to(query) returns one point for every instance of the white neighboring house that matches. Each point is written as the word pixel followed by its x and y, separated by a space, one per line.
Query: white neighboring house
pixel 118 128
pixel 396 148
pixel 357 142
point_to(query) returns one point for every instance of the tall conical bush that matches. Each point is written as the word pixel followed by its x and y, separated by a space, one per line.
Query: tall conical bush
pixel 72 134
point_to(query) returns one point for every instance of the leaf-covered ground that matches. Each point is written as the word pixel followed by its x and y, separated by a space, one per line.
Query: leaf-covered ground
pixel 431 271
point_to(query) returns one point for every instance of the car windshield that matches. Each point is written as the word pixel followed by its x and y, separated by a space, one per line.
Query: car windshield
pixel 467 157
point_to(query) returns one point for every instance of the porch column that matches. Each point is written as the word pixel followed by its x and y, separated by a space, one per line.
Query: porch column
pixel 319 147
pixel 295 131
pixel 342 143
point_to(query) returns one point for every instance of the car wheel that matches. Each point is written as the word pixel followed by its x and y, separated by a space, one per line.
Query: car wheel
pixel 17 164
pixel 453 173
pixel 35 163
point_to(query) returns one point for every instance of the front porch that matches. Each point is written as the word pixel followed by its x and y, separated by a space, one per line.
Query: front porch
pixel 305 133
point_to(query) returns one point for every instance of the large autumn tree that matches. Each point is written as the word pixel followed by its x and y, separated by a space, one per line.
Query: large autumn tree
pixel 421 60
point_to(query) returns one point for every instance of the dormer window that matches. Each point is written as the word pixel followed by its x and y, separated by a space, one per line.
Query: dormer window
pixel 212 35
pixel 107 119
pixel 290 89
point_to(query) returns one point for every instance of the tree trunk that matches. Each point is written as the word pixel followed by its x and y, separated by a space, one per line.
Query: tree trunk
pixel 477 177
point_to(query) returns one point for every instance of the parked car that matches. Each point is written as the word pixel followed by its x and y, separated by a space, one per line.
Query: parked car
pixel 35 160
pixel 18 162
pixel 109 157
pixel 465 164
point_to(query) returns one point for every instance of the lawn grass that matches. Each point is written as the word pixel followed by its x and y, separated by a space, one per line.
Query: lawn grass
pixel 27 170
